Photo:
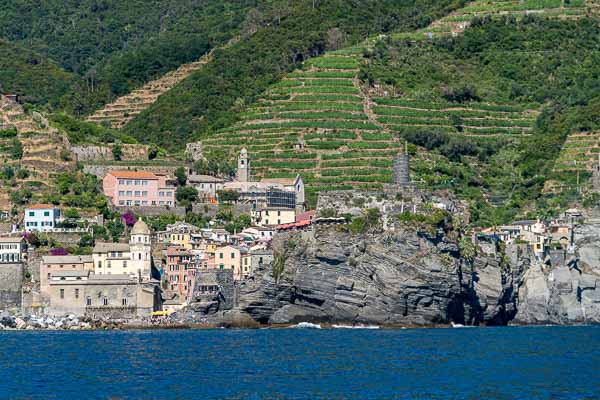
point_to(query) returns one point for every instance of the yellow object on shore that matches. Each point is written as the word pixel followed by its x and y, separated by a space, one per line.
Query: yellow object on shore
pixel 162 313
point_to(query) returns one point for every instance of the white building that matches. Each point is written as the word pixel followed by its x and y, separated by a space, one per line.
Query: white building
pixel 41 218
pixel 206 185
pixel 12 250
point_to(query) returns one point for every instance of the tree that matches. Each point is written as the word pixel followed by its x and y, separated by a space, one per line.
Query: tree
pixel 86 241
pixel 21 196
pixel 72 213
pixel 228 196
pixel 16 151
pixel 152 153
pixel 181 176
pixel 201 167
pixel 117 152
pixel 115 228
pixel 186 196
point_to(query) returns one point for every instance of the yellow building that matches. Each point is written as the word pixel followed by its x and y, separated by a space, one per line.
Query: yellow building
pixel 230 257
pixel 275 216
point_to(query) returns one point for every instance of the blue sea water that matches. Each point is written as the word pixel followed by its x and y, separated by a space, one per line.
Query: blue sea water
pixel 479 363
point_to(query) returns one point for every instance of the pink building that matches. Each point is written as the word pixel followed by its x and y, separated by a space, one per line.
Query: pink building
pixel 133 188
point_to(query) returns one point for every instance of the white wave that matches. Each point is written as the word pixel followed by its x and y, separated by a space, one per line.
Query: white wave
pixel 307 325
pixel 355 326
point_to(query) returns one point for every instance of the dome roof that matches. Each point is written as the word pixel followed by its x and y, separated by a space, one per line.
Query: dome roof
pixel 140 228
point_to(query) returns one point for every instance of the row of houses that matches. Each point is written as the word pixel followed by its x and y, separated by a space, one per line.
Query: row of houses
pixel 538 234
pixel 190 250
pixel 146 189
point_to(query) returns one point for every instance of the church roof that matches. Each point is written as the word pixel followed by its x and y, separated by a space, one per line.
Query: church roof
pixel 140 228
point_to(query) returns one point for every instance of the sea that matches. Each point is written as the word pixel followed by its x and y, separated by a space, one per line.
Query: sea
pixel 303 363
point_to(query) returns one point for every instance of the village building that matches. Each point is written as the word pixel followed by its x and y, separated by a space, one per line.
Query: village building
pixel 178 264
pixel 230 257
pixel 133 259
pixel 83 293
pixel 255 259
pixel 52 264
pixel 207 186
pixel 178 234
pixel 275 192
pixel 274 216
pixel 41 218
pixel 12 250
pixel 133 188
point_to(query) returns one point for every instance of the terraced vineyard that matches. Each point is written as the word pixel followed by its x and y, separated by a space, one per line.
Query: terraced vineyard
pixel 118 113
pixel 320 123
pixel 316 122
pixel 470 119
pixel 43 150
pixel 458 21
pixel 579 153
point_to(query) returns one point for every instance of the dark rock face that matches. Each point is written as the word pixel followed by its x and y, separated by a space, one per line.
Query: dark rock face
pixel 391 278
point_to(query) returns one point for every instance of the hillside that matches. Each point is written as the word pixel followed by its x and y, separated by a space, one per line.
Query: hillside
pixel 32 152
pixel 36 78
pixel 212 97
pixel 490 136
pixel 115 46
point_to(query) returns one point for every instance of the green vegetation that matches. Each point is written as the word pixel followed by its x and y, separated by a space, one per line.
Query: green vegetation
pixel 108 47
pixel 212 97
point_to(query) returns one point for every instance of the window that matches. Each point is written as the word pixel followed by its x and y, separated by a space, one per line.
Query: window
pixel 99 264
pixel 137 193
pixel 62 293
pixel 105 301
pixel 137 183
pixel 144 193
pixel 129 192
pixel 121 193
pixel 124 264
pixel 124 301
pixel 88 301
pixel 232 255
pixel 121 202
pixel 121 181
pixel 221 266
pixel 46 213
pixel 108 265
pixel 221 255
pixel 128 182
pixel 76 293
pixel 279 213
pixel 31 213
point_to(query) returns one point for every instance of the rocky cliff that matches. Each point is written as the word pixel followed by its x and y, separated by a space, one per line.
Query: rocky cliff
pixel 394 278
pixel 564 292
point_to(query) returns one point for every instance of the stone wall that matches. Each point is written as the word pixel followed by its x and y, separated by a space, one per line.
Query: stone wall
pixel 152 211
pixel 212 210
pixel 194 151
pixel 11 283
pixel 131 152
pixel 101 170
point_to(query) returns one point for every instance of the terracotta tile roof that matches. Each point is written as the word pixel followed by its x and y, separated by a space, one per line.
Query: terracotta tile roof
pixel 40 206
pixel 133 175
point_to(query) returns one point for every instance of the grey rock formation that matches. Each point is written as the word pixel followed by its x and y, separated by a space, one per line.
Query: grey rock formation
pixel 565 294
pixel 394 278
